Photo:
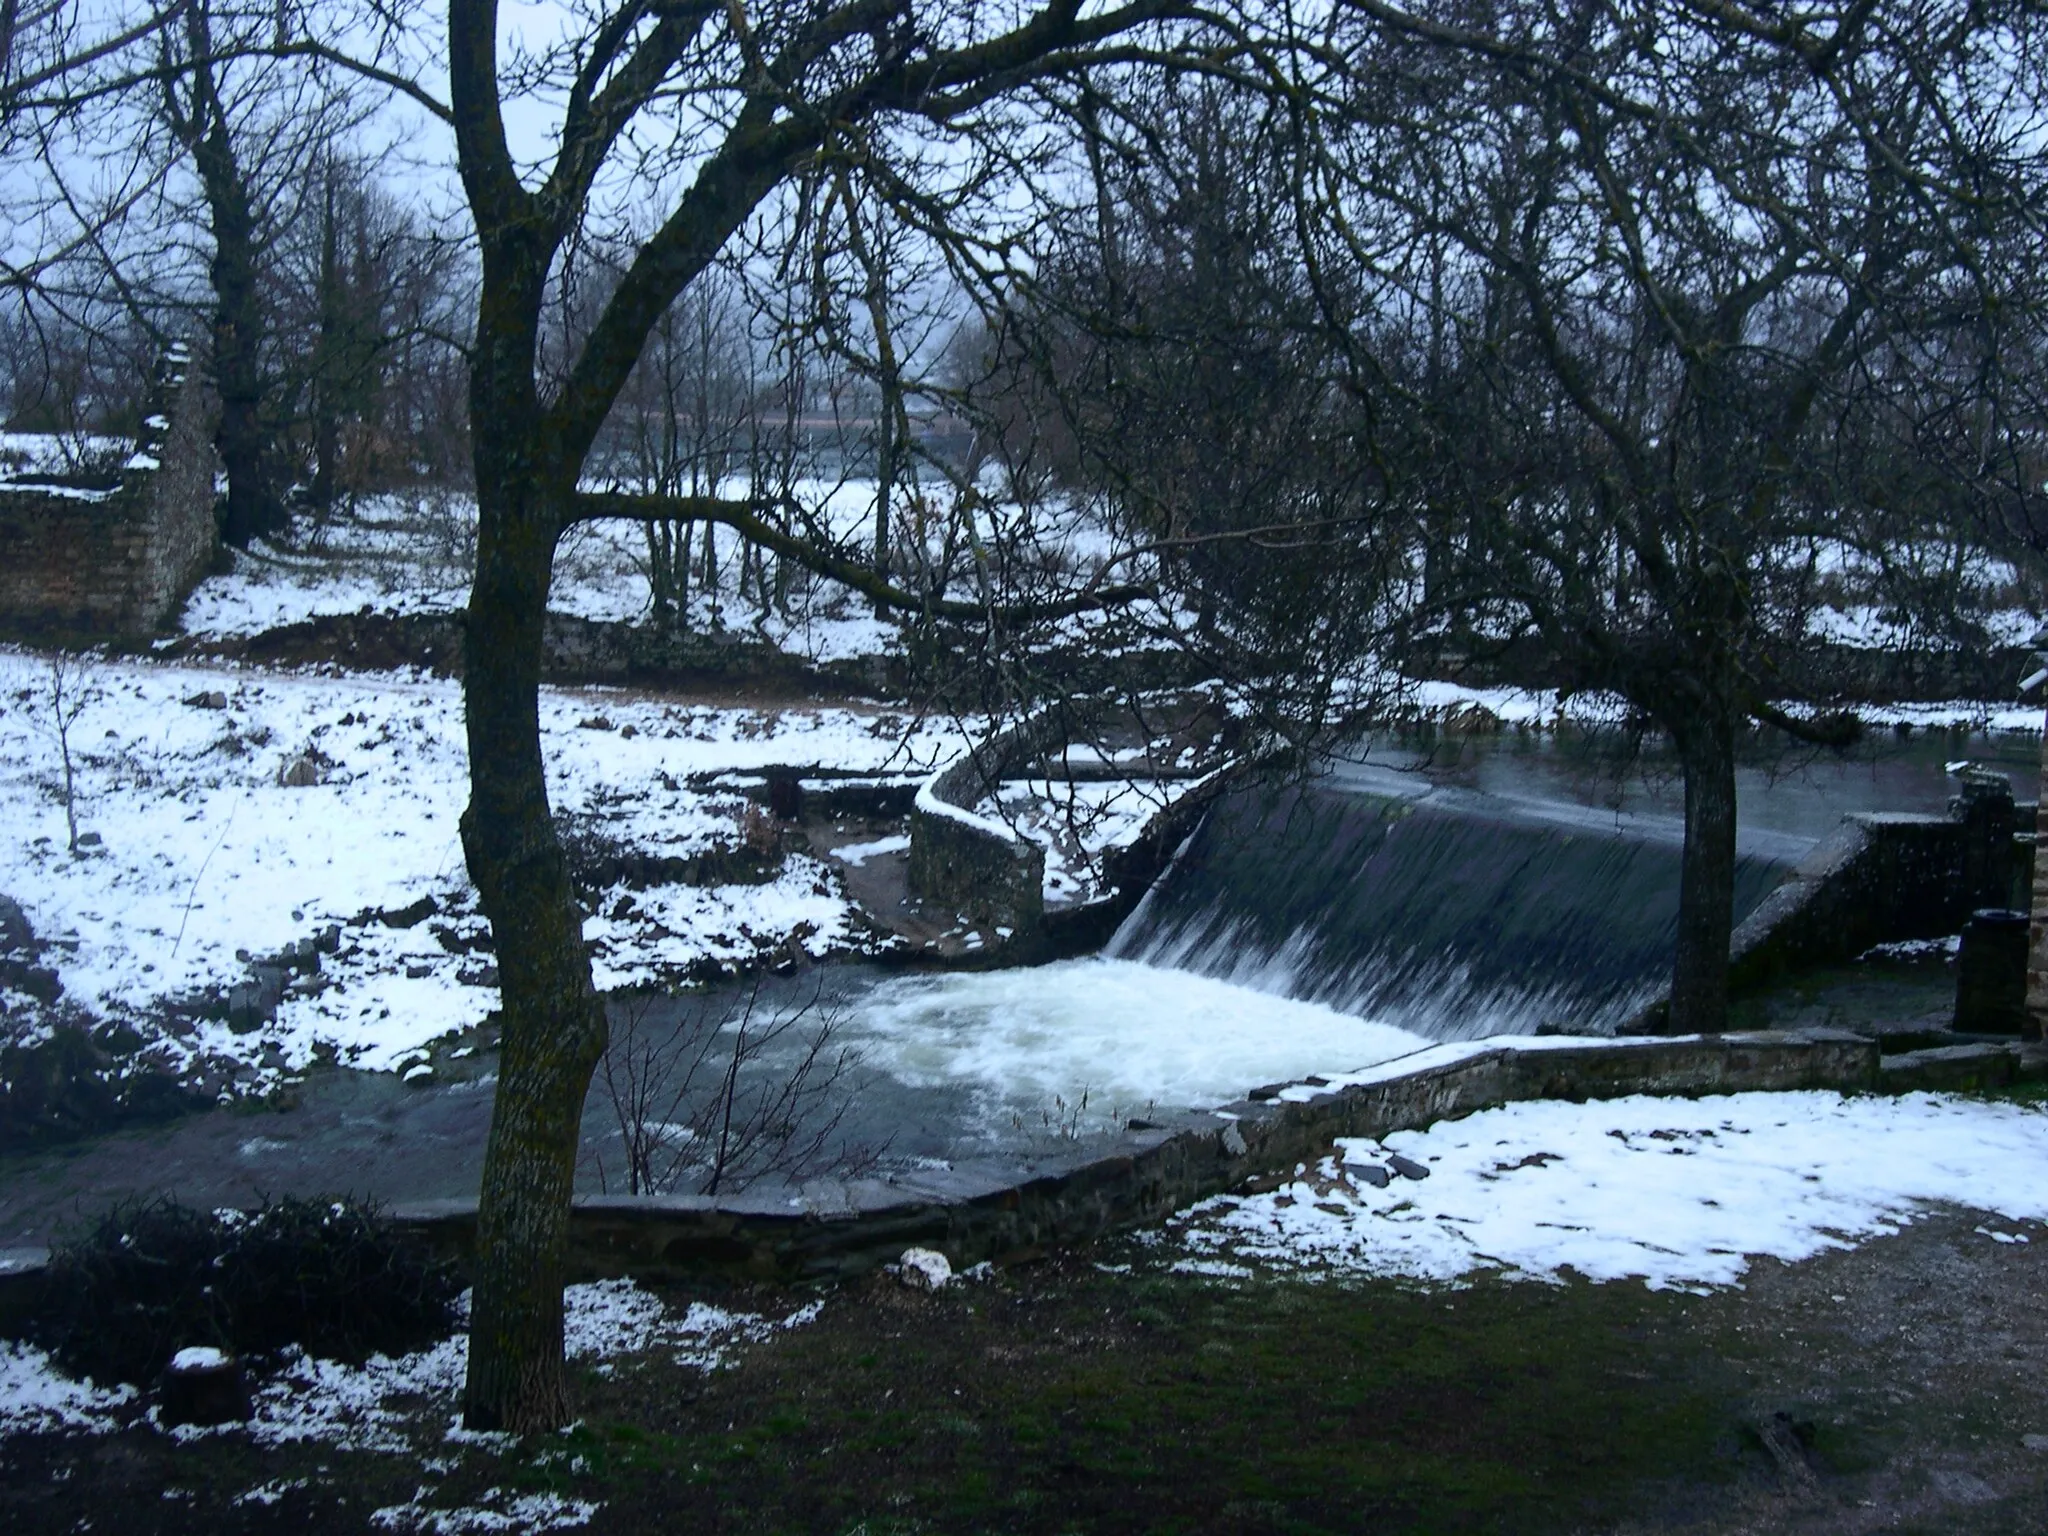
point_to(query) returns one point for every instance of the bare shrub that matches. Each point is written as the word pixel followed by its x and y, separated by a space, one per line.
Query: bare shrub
pixel 711 1101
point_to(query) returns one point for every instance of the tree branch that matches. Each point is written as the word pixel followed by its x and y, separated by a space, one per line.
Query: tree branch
pixel 745 518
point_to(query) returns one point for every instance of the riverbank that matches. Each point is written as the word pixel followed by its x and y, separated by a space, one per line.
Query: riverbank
pixel 1898 1385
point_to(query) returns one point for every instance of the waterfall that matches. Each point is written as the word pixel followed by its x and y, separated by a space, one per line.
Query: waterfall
pixel 1476 916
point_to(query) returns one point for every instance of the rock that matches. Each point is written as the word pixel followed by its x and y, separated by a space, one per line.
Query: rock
pixel 1786 1440
pixel 411 914
pixel 924 1269
pixel 1407 1167
pixel 1369 1173
pixel 210 700
pixel 303 773
pixel 785 796
pixel 1233 1140
pixel 203 1386
pixel 90 840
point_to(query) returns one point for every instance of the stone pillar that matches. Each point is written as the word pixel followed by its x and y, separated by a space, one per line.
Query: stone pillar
pixel 1985 809
pixel 1993 974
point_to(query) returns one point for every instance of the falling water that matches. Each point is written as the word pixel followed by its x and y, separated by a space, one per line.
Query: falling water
pixel 1451 916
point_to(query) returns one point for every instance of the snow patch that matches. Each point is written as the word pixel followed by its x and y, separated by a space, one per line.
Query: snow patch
pixel 1674 1192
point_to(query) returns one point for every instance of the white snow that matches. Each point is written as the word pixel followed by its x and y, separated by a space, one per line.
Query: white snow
pixel 208 855
pixel 411 555
pixel 198 1358
pixel 378 1405
pixel 860 853
pixel 1675 1192
pixel 37 1398
pixel 493 1510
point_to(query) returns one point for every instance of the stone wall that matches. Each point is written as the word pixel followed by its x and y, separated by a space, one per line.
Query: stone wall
pixel 985 870
pixel 1884 877
pixel 1149 1171
pixel 973 864
pixel 115 556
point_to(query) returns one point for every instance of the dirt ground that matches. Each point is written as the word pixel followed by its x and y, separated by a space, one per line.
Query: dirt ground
pixel 1899 1386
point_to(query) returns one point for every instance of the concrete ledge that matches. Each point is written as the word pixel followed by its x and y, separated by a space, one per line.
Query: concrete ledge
pixel 836 1228
pixel 1962 1068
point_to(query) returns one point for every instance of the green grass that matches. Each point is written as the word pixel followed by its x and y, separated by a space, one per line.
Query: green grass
pixel 1178 1405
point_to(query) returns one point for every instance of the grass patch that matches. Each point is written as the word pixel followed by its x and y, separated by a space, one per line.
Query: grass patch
pixel 1078 1402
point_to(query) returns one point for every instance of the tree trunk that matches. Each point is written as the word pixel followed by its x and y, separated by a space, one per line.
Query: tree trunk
pixel 253 508
pixel 1706 881
pixel 553 1025
pixel 327 363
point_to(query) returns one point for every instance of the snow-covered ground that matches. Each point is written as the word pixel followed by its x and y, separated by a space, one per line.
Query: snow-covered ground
pixel 1675 1192
pixel 1547 708
pixel 412 555
pixel 233 813
pixel 403 1406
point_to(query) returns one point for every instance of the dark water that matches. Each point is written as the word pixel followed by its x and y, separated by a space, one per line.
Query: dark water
pixel 1452 888
pixel 1461 887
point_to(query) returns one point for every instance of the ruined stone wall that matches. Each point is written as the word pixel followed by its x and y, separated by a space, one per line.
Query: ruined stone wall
pixel 115 557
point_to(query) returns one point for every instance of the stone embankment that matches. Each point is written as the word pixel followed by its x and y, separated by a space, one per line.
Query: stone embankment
pixel 834 1228
pixel 1154 1168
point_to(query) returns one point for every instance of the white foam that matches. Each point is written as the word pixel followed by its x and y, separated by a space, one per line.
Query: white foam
pixel 1126 1034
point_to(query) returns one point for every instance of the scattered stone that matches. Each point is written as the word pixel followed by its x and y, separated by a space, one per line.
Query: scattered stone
pixel 594 723
pixel 203 1386
pixel 1785 1441
pixel 302 772
pixel 924 1269
pixel 411 914
pixel 209 700
pixel 1407 1167
pixel 1370 1173
pixel 90 840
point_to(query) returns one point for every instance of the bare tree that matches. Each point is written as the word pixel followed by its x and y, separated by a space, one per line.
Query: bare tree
pixel 1692 262
pixel 782 88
